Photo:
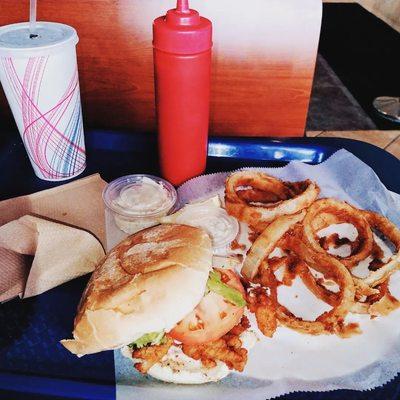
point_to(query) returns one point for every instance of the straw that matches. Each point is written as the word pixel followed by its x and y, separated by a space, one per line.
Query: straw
pixel 32 19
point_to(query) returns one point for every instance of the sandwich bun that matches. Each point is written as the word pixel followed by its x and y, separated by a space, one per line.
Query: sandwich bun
pixel 147 283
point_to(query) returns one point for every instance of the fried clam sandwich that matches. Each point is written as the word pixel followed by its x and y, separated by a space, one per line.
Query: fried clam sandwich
pixel 156 297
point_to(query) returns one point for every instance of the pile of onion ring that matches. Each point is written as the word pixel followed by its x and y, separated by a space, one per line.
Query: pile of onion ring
pixel 288 217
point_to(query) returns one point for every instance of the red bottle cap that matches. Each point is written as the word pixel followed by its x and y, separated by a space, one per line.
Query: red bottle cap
pixel 182 31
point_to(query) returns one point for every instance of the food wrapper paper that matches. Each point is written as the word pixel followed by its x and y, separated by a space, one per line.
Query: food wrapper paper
pixel 291 361
pixel 50 237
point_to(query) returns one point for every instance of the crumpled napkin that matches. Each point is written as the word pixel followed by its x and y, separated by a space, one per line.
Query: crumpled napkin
pixel 58 239
pixel 60 253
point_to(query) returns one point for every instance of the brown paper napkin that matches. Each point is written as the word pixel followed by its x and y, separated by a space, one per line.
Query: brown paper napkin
pixel 61 251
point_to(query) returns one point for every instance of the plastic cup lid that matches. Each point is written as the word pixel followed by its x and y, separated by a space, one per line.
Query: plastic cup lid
pixel 15 40
pixel 115 188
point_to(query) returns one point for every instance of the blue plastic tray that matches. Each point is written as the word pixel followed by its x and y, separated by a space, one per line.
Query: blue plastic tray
pixel 32 363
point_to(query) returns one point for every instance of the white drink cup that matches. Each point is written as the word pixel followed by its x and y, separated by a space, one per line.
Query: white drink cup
pixel 40 79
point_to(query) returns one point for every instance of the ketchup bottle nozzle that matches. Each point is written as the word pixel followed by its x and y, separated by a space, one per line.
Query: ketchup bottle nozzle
pixel 183 15
pixel 182 6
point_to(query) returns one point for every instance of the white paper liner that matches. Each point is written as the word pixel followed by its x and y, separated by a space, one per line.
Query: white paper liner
pixel 291 361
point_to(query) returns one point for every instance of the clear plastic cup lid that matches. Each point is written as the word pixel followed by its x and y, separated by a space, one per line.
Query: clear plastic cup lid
pixel 221 227
pixel 15 39
pixel 139 196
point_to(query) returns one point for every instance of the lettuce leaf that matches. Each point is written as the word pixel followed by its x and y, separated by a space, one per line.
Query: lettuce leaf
pixel 215 284
pixel 152 338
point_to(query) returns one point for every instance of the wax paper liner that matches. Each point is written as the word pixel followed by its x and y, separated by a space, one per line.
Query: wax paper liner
pixel 342 176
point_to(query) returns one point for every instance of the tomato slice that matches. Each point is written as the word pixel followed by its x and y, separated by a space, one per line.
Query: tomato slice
pixel 213 317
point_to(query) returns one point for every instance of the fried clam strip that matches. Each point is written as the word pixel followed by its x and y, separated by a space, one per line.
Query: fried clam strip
pixel 227 349
pixel 286 232
pixel 150 355
pixel 257 198
pixel 325 212
pixel 264 305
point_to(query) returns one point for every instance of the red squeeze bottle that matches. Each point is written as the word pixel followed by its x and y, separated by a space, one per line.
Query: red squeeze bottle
pixel 182 42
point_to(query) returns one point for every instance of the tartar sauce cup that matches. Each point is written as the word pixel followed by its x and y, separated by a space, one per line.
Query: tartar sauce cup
pixel 136 202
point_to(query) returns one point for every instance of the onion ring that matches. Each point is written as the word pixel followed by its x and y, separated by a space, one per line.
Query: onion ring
pixel 286 231
pixel 385 304
pixel 264 198
pixel 390 231
pixel 330 321
pixel 295 267
pixel 375 287
pixel 380 303
pixel 325 212
pixel 319 291
pixel 266 243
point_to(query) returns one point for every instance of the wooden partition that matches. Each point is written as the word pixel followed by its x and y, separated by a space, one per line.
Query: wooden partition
pixel 263 61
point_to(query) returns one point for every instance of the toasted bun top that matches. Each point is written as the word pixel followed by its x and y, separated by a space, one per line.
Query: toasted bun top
pixel 147 283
